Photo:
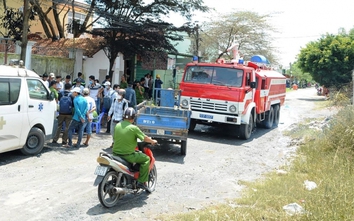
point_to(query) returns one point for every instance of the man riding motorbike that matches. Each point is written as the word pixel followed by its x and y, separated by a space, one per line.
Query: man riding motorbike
pixel 125 143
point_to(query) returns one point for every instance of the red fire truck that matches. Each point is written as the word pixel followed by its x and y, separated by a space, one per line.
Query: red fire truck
pixel 233 93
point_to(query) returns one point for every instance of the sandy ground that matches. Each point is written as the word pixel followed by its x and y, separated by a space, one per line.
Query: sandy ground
pixel 58 184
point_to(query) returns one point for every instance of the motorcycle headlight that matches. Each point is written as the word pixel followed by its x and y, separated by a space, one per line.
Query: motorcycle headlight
pixel 232 108
pixel 184 103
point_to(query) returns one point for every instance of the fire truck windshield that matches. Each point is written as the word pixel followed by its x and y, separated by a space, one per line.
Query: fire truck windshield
pixel 214 75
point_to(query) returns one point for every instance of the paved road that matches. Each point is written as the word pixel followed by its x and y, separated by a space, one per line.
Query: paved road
pixel 57 185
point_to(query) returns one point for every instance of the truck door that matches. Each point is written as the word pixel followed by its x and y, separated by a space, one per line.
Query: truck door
pixel 11 113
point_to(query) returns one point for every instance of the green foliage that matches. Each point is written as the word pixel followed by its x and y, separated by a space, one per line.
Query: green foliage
pixel 326 159
pixel 133 27
pixel 12 22
pixel 329 60
pixel 250 30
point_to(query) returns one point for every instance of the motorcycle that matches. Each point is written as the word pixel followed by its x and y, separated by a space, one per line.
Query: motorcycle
pixel 116 177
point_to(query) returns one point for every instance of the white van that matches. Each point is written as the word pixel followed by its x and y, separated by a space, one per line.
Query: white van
pixel 27 111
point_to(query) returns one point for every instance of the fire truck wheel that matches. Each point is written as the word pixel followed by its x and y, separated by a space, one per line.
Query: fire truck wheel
pixel 192 125
pixel 269 120
pixel 276 115
pixel 246 129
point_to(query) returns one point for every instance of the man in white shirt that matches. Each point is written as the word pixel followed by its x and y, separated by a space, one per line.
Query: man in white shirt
pixel 95 92
pixel 60 86
pixel 91 107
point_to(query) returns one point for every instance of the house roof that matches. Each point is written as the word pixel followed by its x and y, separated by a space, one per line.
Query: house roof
pixel 61 47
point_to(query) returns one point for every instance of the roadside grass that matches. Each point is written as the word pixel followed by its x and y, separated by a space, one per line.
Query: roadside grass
pixel 325 157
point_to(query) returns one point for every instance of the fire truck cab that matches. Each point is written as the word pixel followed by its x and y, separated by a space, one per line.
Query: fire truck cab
pixel 233 93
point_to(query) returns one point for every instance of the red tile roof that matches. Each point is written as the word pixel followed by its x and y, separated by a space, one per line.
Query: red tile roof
pixel 61 47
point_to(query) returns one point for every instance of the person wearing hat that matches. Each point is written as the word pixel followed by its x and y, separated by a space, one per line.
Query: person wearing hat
pixel 79 117
pixel 51 77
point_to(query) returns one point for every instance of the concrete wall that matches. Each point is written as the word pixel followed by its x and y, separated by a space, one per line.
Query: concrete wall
pixel 43 64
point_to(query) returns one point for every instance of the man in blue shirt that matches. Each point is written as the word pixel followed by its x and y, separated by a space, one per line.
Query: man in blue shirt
pixel 130 95
pixel 79 118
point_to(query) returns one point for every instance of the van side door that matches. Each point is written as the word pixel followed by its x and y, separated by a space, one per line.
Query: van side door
pixel 41 109
pixel 12 114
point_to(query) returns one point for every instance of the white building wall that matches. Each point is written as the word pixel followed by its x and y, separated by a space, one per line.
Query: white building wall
pixel 98 66
pixel 92 66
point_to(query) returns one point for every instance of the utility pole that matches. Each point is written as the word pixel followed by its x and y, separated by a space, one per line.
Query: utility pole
pixel 25 30
pixel 197 41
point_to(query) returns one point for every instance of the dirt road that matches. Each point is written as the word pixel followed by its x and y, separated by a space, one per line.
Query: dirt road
pixel 57 184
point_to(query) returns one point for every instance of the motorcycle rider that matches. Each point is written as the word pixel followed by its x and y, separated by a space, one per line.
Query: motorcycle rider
pixel 125 142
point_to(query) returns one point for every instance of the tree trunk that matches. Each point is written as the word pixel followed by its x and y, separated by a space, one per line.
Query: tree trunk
pixel 44 20
pixel 41 19
pixel 57 21
pixel 25 30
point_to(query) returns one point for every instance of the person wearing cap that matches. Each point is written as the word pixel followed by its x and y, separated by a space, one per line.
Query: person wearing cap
pixel 79 117
pixel 109 94
pixel 51 77
pixel 91 107
pixel 78 85
pixel 125 142
pixel 115 113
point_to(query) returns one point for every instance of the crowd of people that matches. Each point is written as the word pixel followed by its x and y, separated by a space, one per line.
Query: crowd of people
pixel 80 103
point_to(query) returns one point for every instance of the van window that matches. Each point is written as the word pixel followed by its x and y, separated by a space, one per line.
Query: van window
pixel 36 89
pixel 9 91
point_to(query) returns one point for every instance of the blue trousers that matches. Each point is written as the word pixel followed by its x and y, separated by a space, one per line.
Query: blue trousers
pixel 79 126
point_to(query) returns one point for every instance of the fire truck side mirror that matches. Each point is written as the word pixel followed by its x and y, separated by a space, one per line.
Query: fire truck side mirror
pixel 253 84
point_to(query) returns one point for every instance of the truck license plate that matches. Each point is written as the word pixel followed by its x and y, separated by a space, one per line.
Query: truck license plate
pixel 206 116
pixel 101 170
pixel 160 132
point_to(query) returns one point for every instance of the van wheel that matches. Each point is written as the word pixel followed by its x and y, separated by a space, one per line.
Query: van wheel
pixel 276 115
pixel 34 143
pixel 269 120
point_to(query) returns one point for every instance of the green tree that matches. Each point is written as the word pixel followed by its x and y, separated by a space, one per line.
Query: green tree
pixel 329 60
pixel 250 30
pixel 133 27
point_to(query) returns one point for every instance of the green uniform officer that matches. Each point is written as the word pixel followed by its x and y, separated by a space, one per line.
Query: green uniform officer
pixel 125 141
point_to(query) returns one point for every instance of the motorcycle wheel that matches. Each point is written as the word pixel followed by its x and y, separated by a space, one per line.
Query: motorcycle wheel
pixel 152 179
pixel 105 189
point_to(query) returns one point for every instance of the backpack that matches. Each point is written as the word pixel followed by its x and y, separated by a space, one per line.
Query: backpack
pixel 107 102
pixel 66 105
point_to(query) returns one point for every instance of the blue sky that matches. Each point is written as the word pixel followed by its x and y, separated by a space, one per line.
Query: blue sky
pixel 298 21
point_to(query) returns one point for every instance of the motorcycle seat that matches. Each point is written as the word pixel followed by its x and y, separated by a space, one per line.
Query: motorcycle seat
pixel 132 166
